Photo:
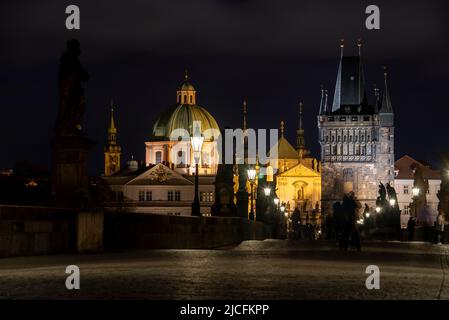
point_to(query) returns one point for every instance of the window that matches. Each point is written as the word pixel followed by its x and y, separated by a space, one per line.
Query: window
pixel 342 118
pixel 149 196
pixel 357 150
pixel 354 118
pixel 206 196
pixel 366 118
pixel 363 151
pixel 158 157
pixel 141 195
pixel 117 196
pixel 185 98
pixel 191 99
pixel 405 189
pixel 174 195
pixel 327 138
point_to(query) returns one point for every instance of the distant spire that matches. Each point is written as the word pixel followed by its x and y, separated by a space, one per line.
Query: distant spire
pixel 244 115
pixel 112 122
pixel 342 46
pixel 377 98
pixel 386 106
pixel 322 108
pixel 359 45
pixel 186 75
pixel 300 139
pixel 282 128
pixel 325 100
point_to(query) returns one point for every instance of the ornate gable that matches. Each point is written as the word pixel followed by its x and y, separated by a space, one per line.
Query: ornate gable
pixel 299 170
pixel 160 175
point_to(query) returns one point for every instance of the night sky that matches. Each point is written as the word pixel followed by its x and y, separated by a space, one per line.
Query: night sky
pixel 272 53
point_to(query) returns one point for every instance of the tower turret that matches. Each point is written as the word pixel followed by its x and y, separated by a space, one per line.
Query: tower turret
pixel 112 151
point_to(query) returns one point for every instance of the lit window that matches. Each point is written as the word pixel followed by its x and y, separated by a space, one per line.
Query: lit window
pixel 405 189
pixel 158 157
pixel 206 196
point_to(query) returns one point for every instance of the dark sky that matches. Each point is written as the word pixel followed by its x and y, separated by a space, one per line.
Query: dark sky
pixel 271 53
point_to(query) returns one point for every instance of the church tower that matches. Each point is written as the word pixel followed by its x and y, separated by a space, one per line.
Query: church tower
pixel 356 138
pixel 112 150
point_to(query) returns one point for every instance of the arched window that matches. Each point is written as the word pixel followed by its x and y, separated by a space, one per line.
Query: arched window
pixel 158 157
pixel 185 98
pixel 191 98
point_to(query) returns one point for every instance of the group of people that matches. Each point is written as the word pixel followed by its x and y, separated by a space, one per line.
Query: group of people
pixel 346 214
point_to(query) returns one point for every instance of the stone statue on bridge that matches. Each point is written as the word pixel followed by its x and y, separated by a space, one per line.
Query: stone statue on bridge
pixel 71 93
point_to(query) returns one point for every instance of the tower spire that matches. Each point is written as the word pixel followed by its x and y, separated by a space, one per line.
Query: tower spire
pixel 112 130
pixel 282 128
pixel 112 150
pixel 342 46
pixel 244 115
pixel 300 139
pixel 359 45
pixel 386 106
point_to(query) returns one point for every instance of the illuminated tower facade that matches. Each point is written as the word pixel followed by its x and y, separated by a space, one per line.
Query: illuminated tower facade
pixel 112 151
pixel 356 138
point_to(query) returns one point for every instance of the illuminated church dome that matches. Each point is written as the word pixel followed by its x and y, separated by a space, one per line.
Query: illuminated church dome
pixel 183 114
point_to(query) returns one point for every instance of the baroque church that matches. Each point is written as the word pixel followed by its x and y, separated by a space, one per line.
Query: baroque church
pixel 356 137
pixel 164 182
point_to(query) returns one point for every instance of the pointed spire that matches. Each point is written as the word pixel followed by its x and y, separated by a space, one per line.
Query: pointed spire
pixel 342 46
pixel 377 98
pixel 350 83
pixel 359 45
pixel 282 128
pixel 322 110
pixel 112 122
pixel 325 100
pixel 386 106
pixel 300 116
pixel 337 93
pixel 244 115
pixel 300 139
pixel 186 75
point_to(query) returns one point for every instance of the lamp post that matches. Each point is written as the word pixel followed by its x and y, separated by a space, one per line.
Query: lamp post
pixel 252 178
pixel 196 140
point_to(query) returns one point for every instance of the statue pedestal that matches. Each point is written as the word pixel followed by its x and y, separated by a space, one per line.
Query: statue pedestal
pixel 69 171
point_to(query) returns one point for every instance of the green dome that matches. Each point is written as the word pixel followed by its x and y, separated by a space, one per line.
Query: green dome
pixel 182 117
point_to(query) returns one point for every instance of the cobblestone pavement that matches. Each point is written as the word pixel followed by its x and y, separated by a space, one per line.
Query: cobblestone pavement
pixel 270 269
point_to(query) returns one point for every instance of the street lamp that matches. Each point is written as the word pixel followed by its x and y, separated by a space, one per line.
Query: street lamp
pixel 392 202
pixel 378 209
pixel 267 191
pixel 252 179
pixel 196 140
pixel 276 201
pixel 415 191
pixel 282 208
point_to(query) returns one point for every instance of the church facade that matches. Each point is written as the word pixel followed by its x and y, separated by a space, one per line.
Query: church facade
pixel 356 137
pixel 164 182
